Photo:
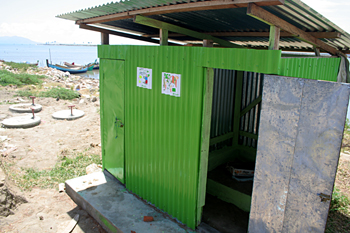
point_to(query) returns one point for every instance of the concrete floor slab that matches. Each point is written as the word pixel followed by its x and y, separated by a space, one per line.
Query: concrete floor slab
pixel 117 210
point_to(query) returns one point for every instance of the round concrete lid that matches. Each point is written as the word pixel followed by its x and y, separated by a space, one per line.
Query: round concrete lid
pixel 22 108
pixel 66 114
pixel 25 121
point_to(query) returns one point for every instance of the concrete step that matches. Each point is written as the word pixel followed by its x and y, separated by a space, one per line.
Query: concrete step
pixel 117 210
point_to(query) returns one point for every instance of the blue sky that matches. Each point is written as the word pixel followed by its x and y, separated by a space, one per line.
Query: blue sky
pixel 36 19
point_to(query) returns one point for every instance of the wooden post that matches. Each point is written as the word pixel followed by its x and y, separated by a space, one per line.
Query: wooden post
pixel 274 39
pixel 317 52
pixel 237 107
pixel 163 34
pixel 208 43
pixel 104 38
pixel 205 140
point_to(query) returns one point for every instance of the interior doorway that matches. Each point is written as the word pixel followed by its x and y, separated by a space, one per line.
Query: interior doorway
pixel 235 116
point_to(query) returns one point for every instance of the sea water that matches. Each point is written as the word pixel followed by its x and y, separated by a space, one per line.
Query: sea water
pixel 57 54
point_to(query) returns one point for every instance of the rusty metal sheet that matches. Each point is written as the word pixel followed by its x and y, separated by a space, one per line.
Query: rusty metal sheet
pixel 301 128
pixel 278 130
pixel 320 132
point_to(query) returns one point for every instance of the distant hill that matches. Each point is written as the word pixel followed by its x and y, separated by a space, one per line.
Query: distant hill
pixel 15 40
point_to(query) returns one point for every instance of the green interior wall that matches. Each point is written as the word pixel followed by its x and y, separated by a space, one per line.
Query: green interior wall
pixel 162 132
pixel 323 68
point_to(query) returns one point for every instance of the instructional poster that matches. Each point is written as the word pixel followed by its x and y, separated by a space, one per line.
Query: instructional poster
pixel 171 84
pixel 144 77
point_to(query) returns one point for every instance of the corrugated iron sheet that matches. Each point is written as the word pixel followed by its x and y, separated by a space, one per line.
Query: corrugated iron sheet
pixel 223 106
pixel 252 89
pixel 310 68
pixel 226 20
pixel 162 132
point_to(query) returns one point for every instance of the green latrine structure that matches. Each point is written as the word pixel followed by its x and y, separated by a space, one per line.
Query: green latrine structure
pixel 220 90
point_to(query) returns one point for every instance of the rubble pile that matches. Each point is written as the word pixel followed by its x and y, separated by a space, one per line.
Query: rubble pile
pixel 66 79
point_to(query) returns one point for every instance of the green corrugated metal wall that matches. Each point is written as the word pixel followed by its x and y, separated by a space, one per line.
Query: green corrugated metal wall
pixel 311 68
pixel 162 133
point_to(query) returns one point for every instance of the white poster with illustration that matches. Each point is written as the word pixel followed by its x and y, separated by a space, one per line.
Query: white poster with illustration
pixel 171 84
pixel 144 77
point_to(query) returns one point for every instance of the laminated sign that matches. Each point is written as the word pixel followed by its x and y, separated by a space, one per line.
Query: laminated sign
pixel 144 77
pixel 171 84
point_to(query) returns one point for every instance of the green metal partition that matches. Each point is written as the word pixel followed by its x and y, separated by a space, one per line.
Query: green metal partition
pixel 112 116
pixel 319 68
pixel 164 155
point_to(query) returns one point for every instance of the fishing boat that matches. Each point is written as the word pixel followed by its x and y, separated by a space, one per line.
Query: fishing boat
pixel 72 65
pixel 72 70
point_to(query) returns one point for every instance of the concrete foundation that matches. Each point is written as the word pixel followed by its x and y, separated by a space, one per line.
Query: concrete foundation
pixel 117 210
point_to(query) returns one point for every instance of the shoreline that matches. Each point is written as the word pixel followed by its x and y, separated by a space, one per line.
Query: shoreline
pixel 91 45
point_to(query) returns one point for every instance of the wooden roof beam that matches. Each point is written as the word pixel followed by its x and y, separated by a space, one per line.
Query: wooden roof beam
pixel 271 19
pixel 183 7
pixel 130 36
pixel 326 35
pixel 170 27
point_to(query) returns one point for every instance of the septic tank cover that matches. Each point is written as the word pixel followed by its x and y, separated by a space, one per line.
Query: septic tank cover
pixel 25 121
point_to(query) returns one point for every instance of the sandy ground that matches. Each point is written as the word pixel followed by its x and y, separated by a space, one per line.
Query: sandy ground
pixel 40 147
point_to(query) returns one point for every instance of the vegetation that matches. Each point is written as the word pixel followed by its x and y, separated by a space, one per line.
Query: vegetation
pixel 7 78
pixel 339 213
pixel 340 202
pixel 65 169
pixel 56 92
pixel 59 92
pixel 20 66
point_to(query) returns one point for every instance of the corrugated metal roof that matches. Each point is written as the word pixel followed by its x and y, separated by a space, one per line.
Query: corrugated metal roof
pixel 224 20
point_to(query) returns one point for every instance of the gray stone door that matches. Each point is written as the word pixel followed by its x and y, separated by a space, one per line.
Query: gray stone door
pixel 301 128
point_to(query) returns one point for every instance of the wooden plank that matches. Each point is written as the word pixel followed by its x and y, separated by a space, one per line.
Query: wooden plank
pixel 205 138
pixel 218 157
pixel 251 105
pixel 229 195
pixel 130 36
pixel 237 107
pixel 163 36
pixel 247 154
pixel 221 138
pixel 184 7
pixel 317 52
pixel 249 135
pixel 274 38
pixel 71 224
pixel 159 24
pixel 208 43
pixel 104 38
pixel 268 18
pixel 326 35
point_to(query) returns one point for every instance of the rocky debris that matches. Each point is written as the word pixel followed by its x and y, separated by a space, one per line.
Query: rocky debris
pixel 8 151
pixel 94 99
pixel 8 199
pixel 61 187
pixel 93 168
pixel 68 81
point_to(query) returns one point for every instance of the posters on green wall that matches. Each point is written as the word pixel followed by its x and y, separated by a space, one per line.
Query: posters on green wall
pixel 171 84
pixel 144 77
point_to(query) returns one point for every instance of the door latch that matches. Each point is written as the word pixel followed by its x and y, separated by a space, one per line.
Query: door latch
pixel 118 123
pixel 324 197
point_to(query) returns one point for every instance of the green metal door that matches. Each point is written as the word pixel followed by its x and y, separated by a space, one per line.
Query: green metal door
pixel 112 116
